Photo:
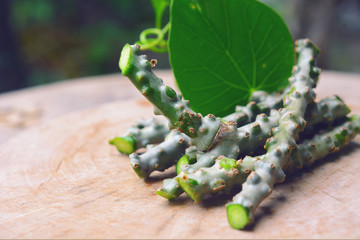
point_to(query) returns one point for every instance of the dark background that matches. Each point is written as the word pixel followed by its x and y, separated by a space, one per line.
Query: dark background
pixel 43 41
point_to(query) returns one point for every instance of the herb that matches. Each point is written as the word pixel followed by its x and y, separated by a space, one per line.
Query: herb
pixel 219 145
pixel 220 51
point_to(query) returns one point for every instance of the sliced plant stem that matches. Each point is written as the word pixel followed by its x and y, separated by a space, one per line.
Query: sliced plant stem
pixel 144 132
pixel 323 113
pixel 166 101
pixel 304 156
pixel 270 170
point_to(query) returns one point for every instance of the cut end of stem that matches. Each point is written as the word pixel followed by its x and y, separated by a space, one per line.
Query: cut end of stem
pixel 125 59
pixel 237 215
pixel 227 163
pixel 187 185
pixel 170 190
pixel 167 195
pixel 126 145
pixel 184 160
pixel 141 173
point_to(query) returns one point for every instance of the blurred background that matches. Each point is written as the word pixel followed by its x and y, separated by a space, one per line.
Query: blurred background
pixel 43 41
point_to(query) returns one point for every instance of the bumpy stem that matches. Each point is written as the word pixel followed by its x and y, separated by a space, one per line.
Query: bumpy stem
pixel 243 140
pixel 250 139
pixel 244 114
pixel 144 132
pixel 270 171
pixel 260 102
pixel 335 110
pixel 305 155
pixel 152 131
pixel 324 114
pixel 161 157
pixel 226 173
pixel 267 101
pixel 167 102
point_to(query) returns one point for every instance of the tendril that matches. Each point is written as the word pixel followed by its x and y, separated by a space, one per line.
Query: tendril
pixel 154 39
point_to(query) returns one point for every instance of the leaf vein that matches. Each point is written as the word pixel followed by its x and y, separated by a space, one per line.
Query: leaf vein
pixel 237 68
pixel 227 25
pixel 269 52
pixel 205 88
pixel 214 97
pixel 251 48
pixel 234 103
pixel 264 40
pixel 216 75
pixel 211 27
pixel 201 38
pixel 278 64
pixel 256 22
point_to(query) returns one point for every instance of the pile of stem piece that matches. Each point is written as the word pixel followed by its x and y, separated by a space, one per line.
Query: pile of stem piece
pixel 274 134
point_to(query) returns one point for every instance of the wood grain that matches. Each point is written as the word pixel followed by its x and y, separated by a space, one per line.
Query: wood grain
pixel 60 179
pixel 61 98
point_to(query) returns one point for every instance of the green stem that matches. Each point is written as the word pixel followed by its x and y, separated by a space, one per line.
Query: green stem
pixel 249 141
pixel 245 140
pixel 270 171
pixel 166 101
pixel 305 155
pixel 335 110
pixel 261 102
pixel 161 157
pixel 144 132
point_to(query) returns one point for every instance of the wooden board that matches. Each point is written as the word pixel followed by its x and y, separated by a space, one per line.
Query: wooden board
pixel 62 180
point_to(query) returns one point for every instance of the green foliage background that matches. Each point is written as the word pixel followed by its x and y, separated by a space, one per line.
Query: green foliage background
pixel 64 39
pixel 67 39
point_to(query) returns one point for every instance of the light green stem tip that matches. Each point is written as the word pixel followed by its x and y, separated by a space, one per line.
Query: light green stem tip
pixel 171 190
pixel 238 216
pixel 227 163
pixel 184 160
pixel 125 59
pixel 167 195
pixel 126 145
pixel 186 185
pixel 139 172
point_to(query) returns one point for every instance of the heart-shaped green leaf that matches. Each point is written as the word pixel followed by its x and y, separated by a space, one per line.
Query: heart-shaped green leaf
pixel 223 50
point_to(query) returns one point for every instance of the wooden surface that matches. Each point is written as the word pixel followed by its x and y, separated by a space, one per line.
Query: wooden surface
pixel 60 179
